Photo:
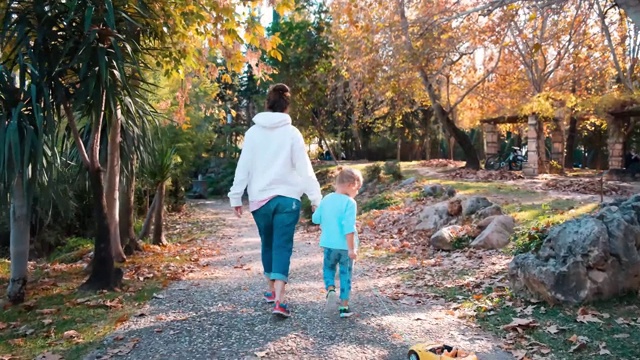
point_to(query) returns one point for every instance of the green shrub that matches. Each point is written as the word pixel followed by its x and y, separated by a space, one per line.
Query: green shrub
pixel 372 172
pixel 392 168
pixel 462 242
pixel 220 179
pixel 531 239
pixel 306 207
pixel 381 202
pixel 74 249
pixel 555 167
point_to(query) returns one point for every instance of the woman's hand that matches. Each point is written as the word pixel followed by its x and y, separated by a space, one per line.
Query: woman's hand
pixel 238 211
pixel 352 254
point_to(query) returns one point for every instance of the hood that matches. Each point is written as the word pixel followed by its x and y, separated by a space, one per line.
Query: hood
pixel 272 119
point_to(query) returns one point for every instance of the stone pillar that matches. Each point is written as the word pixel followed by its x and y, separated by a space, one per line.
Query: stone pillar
pixel 557 145
pixel 531 166
pixel 490 139
pixel 615 144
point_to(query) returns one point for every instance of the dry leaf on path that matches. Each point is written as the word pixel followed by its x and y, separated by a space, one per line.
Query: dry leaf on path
pixel 16 342
pixel 261 354
pixel 8 357
pixel 519 354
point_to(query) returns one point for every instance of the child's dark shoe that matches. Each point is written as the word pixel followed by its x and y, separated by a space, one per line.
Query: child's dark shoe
pixel 345 312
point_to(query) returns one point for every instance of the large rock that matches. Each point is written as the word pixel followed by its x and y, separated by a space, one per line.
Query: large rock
pixel 444 238
pixel 473 204
pixel 586 259
pixel 436 190
pixel 434 217
pixel 433 190
pixel 496 234
pixel 492 210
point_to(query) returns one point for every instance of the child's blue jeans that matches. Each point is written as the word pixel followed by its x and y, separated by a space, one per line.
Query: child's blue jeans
pixel 276 221
pixel 332 259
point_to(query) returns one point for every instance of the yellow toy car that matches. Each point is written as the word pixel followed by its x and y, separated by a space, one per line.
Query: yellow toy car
pixel 438 352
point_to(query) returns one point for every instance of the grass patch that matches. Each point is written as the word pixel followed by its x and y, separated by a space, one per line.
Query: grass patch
pixel 381 202
pixel 619 331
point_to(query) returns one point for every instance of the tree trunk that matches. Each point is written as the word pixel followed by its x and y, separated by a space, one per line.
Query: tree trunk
pixel 570 145
pixel 112 186
pixel 316 123
pixel 399 149
pixel 19 241
pixel 104 276
pixel 148 220
pixel 127 217
pixel 473 161
pixel 158 232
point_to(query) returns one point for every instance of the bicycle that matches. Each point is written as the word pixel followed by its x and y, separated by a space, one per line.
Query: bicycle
pixel 514 160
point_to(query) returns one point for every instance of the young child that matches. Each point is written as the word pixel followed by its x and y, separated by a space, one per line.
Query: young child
pixel 336 216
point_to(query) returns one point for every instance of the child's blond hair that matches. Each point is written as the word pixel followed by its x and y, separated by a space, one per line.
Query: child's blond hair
pixel 349 176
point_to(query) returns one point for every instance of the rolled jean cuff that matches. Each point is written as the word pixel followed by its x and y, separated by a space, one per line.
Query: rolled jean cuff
pixel 267 275
pixel 276 276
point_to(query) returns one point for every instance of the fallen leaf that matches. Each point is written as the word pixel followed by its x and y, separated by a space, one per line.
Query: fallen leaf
pixel 29 305
pixel 3 325
pixel 158 296
pixel 122 319
pixel 588 318
pixel 261 354
pixel 519 354
pixel 578 346
pixel 553 329
pixel 118 338
pixel 48 356
pixel 17 342
pixel 47 311
pixel 8 357
pixel 621 336
pixel 46 322
pixel 158 330
pixel 603 350
pixel 518 323
pixel 71 334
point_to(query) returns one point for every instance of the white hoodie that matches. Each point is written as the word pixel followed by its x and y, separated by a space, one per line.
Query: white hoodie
pixel 274 162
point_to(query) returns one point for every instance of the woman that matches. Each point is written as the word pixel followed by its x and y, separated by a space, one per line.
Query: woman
pixel 276 170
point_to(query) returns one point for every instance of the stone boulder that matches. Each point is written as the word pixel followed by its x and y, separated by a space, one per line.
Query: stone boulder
pixel 496 232
pixel 436 216
pixel 433 190
pixel 594 257
pixel 492 210
pixel 436 190
pixel 407 182
pixel 444 238
pixel 473 204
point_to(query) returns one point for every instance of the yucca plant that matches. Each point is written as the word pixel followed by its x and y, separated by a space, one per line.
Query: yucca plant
pixel 157 170
pixel 27 114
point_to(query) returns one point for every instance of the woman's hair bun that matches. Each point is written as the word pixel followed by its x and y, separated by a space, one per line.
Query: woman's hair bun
pixel 278 98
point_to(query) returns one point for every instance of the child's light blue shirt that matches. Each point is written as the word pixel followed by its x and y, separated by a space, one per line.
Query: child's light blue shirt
pixel 336 216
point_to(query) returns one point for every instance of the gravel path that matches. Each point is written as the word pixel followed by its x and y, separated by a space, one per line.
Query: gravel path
pixel 218 313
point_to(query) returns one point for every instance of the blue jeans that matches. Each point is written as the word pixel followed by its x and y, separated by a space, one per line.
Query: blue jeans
pixel 276 221
pixel 333 258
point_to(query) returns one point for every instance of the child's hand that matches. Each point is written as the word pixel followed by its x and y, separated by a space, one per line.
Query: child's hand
pixel 352 254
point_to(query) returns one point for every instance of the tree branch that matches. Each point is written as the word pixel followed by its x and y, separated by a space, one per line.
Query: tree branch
pixel 76 134
pixel 481 80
